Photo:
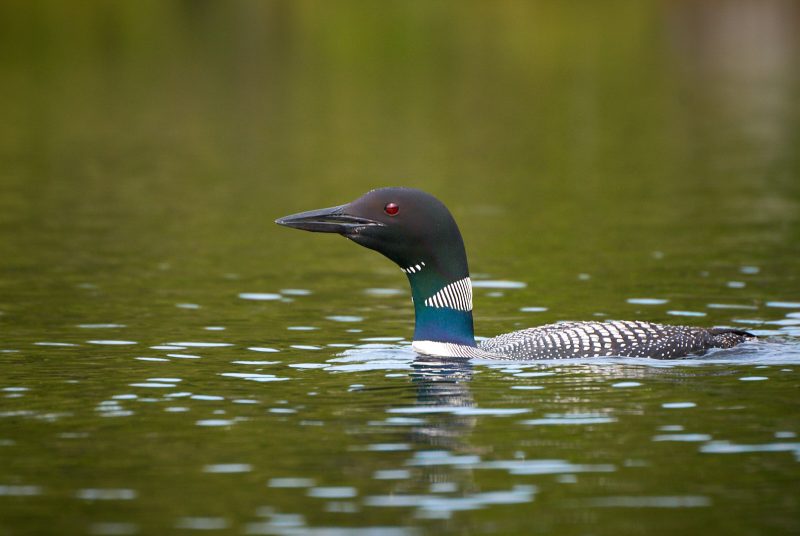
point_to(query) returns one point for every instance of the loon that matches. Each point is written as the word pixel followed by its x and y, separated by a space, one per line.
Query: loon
pixel 417 232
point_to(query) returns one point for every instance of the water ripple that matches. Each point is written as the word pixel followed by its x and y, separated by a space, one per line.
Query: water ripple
pixel 202 523
pixel 291 482
pixel 215 422
pixel 437 506
pixel 570 419
pixel 679 501
pixel 254 377
pixel 646 301
pixel 728 447
pixel 201 344
pixel 19 491
pixel 498 283
pixel 546 467
pixel 783 305
pixel 262 349
pixel 228 468
pixel 333 492
pixel 259 296
pixel 108 494
pixel 682 437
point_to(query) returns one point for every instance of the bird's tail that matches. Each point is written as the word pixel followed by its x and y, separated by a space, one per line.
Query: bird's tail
pixel 728 338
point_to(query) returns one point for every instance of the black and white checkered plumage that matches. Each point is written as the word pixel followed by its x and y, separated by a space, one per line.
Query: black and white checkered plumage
pixel 618 338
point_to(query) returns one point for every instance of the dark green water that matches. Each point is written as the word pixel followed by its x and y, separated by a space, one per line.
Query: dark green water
pixel 630 161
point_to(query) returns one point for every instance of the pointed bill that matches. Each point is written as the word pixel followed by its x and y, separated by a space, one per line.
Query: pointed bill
pixel 326 220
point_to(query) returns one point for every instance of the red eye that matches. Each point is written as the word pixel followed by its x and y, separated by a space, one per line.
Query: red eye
pixel 391 209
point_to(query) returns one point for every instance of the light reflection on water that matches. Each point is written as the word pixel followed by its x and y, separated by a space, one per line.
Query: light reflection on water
pixel 172 361
pixel 436 426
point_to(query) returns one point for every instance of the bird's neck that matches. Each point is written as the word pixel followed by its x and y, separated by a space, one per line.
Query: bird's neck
pixel 442 302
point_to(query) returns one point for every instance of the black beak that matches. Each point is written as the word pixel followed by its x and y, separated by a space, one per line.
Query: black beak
pixel 327 220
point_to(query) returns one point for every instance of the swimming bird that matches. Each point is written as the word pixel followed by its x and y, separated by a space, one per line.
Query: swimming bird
pixel 417 232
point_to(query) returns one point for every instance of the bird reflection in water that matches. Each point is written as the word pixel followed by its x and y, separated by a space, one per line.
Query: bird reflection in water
pixel 442 386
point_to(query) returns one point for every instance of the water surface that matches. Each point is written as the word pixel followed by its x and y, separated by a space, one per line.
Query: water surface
pixel 173 362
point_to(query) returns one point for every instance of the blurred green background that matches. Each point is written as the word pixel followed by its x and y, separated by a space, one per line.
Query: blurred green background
pixel 197 118
pixel 147 146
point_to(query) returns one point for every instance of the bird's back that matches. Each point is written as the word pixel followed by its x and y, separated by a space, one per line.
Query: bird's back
pixel 617 338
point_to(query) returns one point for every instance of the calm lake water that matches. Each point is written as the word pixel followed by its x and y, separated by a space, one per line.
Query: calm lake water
pixel 173 362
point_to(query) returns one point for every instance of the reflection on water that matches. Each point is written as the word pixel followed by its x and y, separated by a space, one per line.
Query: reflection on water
pixel 173 362
pixel 427 438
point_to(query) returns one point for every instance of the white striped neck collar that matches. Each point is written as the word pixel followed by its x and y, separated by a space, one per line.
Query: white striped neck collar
pixel 442 304
pixel 456 295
